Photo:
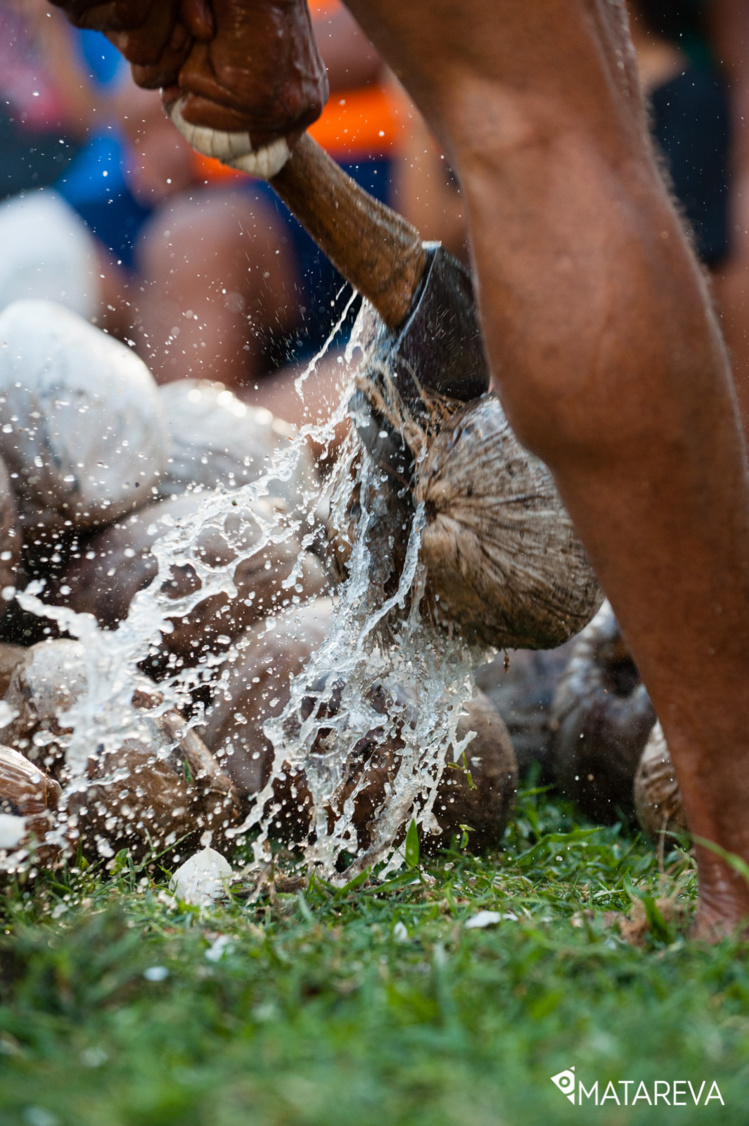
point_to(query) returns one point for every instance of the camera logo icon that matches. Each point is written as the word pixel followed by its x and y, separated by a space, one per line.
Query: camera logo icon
pixel 565 1081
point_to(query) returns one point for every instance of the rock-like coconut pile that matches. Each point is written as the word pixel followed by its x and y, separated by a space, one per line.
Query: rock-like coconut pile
pixel 97 465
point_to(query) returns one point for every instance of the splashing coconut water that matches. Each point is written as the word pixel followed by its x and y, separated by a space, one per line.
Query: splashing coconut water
pixel 270 710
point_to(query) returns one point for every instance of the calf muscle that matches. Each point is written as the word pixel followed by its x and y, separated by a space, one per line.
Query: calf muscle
pixel 606 355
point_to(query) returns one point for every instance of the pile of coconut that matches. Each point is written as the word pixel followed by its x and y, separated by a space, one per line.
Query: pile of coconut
pixel 581 719
pixel 100 469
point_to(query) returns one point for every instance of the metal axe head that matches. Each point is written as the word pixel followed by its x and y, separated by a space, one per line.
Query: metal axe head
pixel 437 353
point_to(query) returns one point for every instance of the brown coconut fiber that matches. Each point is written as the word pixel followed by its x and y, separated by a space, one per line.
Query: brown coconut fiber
pixel 502 558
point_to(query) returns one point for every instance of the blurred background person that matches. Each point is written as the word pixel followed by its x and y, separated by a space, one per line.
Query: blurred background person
pixel 45 103
pixel 689 117
pixel 728 26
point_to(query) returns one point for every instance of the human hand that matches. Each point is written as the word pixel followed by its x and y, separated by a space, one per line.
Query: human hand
pixel 260 71
pixel 242 78
pixel 151 34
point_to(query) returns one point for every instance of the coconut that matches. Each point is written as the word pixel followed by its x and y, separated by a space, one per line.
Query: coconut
pixel 48 253
pixel 258 688
pixel 521 685
pixel 217 440
pixel 160 789
pixel 504 565
pixel 28 798
pixel 601 720
pixel 157 785
pixel 656 790
pixel 82 428
pixel 478 792
pixel 503 560
pixel 119 561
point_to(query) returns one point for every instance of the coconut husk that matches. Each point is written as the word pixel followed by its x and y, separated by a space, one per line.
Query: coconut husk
pixel 521 685
pixel 601 720
pixel 28 799
pixel 119 562
pixel 388 504
pixel 380 485
pixel 657 795
pixel 504 565
pixel 216 440
pixel 81 423
pixel 503 560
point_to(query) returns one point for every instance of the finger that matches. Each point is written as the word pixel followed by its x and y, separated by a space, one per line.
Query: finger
pixel 261 73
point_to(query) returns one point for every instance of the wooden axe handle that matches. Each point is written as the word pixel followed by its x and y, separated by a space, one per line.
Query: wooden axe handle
pixel 376 249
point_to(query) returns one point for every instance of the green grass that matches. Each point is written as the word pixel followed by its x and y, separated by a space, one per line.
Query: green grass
pixel 323 1010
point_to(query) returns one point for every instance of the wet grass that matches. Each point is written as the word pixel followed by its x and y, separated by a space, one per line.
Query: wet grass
pixel 375 1004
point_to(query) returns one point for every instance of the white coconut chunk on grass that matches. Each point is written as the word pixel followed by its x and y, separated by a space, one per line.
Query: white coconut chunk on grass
pixel 488 919
pixel 202 880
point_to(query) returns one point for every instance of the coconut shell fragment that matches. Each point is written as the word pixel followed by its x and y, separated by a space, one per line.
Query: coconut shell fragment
pixel 601 720
pixel 503 560
pixel 656 790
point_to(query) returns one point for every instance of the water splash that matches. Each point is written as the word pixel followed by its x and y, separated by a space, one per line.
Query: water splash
pixel 377 643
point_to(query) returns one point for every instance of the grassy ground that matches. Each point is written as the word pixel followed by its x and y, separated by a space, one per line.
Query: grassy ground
pixel 375 1004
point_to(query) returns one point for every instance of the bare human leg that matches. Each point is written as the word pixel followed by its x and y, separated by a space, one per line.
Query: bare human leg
pixel 596 318
pixel 607 357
